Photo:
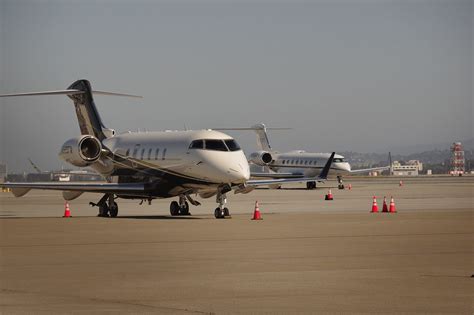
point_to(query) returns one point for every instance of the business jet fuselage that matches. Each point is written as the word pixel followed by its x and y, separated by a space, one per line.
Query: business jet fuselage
pixel 174 162
pixel 297 163
pixel 305 163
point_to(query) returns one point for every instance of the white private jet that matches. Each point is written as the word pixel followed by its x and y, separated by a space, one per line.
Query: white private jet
pixel 150 165
pixel 297 163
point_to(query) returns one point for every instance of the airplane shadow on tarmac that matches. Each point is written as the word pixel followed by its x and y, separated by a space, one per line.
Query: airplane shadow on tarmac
pixel 157 217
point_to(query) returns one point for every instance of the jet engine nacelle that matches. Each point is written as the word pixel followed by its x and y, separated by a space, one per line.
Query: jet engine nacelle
pixel 261 158
pixel 82 151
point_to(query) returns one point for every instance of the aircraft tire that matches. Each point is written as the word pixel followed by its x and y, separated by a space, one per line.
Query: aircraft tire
pixel 174 208
pixel 103 211
pixel 184 210
pixel 113 210
pixel 219 213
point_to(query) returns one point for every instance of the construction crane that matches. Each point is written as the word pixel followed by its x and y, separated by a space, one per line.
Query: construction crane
pixel 37 169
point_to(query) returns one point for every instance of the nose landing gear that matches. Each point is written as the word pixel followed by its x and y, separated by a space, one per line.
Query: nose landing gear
pixel 221 212
pixel 310 185
pixel 340 183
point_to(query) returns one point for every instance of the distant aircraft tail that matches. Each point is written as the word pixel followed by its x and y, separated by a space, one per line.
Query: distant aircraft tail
pixel 262 137
pixel 88 117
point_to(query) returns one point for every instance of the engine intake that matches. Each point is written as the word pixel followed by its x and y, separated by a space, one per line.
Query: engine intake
pixel 82 151
pixel 261 158
pixel 90 148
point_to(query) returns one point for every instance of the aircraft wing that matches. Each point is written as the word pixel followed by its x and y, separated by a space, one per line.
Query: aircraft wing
pixel 250 184
pixel 20 189
pixel 366 170
pixel 277 175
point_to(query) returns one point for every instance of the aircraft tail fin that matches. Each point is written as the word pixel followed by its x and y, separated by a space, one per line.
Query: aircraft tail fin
pixel 262 137
pixel 88 117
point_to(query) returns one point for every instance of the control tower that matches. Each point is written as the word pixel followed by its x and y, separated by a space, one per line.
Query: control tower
pixel 457 159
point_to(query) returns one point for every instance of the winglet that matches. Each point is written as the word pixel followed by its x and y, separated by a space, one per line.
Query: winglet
pixel 324 173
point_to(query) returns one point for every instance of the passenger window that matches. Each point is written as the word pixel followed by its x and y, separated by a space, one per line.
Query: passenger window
pixel 156 153
pixel 164 154
pixel 215 145
pixel 149 153
pixel 143 153
pixel 197 144
pixel 283 162
pixel 127 153
pixel 232 145
pixel 305 162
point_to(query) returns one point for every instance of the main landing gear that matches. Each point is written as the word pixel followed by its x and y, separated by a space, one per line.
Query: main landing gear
pixel 340 183
pixel 221 211
pixel 310 185
pixel 179 208
pixel 107 206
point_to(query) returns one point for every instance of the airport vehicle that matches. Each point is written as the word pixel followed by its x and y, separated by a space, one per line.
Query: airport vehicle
pixel 296 163
pixel 149 165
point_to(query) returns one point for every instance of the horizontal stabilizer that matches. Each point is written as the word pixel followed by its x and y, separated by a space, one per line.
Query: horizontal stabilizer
pixel 69 92
pixel 59 92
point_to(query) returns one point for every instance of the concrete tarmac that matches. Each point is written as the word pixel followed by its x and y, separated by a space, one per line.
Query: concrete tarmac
pixel 307 255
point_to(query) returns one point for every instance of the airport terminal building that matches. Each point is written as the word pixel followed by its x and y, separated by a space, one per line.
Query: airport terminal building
pixel 411 168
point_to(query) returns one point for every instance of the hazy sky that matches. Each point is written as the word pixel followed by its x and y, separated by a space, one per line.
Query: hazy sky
pixel 366 76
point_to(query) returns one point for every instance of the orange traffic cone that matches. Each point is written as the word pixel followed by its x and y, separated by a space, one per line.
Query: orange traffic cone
pixel 400 184
pixel 67 212
pixel 350 186
pixel 329 196
pixel 384 208
pixel 392 206
pixel 256 212
pixel 375 208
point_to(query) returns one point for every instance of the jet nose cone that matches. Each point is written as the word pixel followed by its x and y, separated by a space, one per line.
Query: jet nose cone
pixel 346 166
pixel 239 173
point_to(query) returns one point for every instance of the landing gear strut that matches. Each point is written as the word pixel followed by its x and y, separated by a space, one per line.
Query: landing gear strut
pixel 339 181
pixel 107 206
pixel 221 211
pixel 179 208
pixel 310 185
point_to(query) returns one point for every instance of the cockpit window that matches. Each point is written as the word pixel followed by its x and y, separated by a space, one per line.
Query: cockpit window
pixel 197 144
pixel 338 160
pixel 232 145
pixel 216 145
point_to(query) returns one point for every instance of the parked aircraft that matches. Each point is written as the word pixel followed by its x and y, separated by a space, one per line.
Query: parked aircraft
pixel 149 165
pixel 296 163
